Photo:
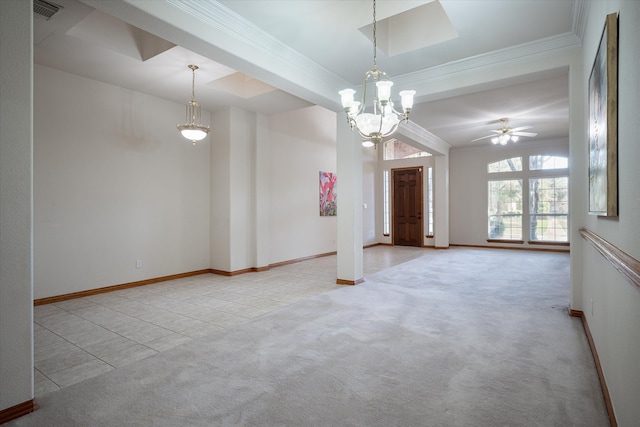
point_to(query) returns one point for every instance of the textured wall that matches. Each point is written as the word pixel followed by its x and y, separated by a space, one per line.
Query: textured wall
pixel 610 303
pixel 114 182
pixel 16 308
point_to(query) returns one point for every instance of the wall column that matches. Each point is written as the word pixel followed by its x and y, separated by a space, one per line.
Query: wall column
pixel 262 192
pixel 349 207
pixel 441 202
pixel 234 202
pixel 16 208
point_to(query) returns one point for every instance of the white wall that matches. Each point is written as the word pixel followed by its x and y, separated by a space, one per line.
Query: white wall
pixel 468 179
pixel 615 319
pixel 114 182
pixel 16 307
pixel 302 143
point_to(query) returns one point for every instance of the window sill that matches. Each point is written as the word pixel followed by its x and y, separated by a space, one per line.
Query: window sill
pixel 518 242
pixel 428 236
pixel 386 235
pixel 542 242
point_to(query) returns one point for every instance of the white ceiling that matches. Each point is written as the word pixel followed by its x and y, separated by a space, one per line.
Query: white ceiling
pixel 330 35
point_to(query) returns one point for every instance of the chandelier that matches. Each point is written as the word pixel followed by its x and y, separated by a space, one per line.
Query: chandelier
pixel 381 119
pixel 193 128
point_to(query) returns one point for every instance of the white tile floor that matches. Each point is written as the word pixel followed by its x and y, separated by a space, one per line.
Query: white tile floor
pixel 80 338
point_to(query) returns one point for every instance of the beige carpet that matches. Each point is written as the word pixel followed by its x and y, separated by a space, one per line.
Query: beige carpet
pixel 463 337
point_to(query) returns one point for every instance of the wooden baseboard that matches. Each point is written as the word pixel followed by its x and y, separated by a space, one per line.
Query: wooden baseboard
pixel 349 282
pixel 17 411
pixel 80 294
pixel 306 258
pixel 594 352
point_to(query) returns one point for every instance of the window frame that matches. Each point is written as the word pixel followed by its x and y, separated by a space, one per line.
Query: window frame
pixel 526 174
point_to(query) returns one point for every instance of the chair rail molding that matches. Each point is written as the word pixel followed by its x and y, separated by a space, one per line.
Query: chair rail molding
pixel 627 265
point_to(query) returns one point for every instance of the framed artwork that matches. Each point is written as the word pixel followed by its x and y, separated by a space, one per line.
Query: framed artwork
pixel 603 124
pixel 328 194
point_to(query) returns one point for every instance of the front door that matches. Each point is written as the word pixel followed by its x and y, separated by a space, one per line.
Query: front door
pixel 407 207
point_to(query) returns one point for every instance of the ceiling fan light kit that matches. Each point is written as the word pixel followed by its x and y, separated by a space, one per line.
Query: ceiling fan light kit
pixel 384 119
pixel 505 134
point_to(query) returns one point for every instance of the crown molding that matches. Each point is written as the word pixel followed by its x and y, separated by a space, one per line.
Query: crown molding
pixel 509 56
pixel 580 14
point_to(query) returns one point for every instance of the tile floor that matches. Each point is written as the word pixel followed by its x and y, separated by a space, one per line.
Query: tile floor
pixel 80 338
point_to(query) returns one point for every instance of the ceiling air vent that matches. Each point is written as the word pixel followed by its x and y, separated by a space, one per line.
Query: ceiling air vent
pixel 45 8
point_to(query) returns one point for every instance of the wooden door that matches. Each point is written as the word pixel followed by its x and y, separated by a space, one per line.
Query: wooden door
pixel 407 207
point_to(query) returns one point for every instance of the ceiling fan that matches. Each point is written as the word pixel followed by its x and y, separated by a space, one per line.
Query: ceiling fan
pixel 505 133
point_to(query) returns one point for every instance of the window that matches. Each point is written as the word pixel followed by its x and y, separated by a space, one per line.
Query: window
pixel 547 162
pixel 549 209
pixel 386 206
pixel 430 201
pixel 506 165
pixel 505 209
pixel 394 149
pixel 542 189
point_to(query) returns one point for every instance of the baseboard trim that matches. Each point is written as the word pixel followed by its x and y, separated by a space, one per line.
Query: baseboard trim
pixel 233 273
pixel 80 294
pixel 306 258
pixel 594 352
pixel 526 248
pixel 17 411
pixel 349 282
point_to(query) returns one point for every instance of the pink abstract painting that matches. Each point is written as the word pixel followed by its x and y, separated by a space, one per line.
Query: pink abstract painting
pixel 327 194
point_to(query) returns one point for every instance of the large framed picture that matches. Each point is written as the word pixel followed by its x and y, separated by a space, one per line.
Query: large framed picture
pixel 603 124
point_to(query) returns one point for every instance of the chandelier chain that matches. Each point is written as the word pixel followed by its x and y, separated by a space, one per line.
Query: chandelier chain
pixel 375 50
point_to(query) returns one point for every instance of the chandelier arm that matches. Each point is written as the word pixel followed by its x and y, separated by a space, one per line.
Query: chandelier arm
pixel 391 131
pixel 402 114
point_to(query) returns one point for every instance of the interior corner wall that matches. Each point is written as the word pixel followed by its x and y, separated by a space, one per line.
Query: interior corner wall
pixel 468 186
pixel 302 143
pixel 16 306
pixel 610 303
pixel 114 183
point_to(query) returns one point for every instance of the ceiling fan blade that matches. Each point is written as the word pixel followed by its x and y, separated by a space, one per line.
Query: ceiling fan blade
pixel 524 133
pixel 483 137
pixel 518 129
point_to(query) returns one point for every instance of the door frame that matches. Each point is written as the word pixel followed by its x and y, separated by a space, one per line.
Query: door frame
pixel 392 196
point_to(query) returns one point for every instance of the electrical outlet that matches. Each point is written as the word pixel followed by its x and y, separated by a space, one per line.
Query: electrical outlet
pixel 139 263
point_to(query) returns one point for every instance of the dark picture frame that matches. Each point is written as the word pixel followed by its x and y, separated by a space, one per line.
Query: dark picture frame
pixel 603 124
